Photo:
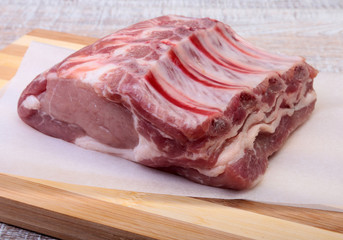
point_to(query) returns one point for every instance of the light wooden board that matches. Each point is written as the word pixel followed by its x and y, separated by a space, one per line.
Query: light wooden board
pixel 77 212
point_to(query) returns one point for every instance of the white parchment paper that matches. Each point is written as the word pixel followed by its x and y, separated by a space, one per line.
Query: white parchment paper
pixel 307 171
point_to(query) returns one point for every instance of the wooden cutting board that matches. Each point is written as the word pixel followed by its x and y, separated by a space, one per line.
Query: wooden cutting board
pixel 78 212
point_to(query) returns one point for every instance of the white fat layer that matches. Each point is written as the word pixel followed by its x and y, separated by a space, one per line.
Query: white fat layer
pixel 145 149
pixel 31 102
pixel 92 144
pixel 92 77
pixel 92 74
pixel 245 139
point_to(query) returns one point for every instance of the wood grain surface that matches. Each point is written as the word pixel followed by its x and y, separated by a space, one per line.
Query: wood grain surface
pixel 313 29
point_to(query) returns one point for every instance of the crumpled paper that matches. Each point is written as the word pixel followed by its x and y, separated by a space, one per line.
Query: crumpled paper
pixel 307 171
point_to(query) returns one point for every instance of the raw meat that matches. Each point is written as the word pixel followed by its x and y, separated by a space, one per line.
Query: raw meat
pixel 184 95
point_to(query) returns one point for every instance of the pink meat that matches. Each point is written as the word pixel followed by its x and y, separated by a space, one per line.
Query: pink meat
pixel 185 95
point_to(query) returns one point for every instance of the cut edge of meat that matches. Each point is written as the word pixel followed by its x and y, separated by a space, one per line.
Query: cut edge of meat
pixel 256 161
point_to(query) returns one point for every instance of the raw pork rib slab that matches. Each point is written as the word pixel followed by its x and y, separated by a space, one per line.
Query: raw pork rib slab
pixel 184 95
